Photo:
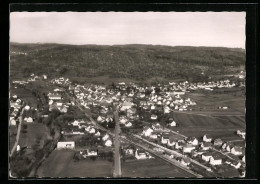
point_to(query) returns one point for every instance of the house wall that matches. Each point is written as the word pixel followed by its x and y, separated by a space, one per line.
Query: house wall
pixel 66 145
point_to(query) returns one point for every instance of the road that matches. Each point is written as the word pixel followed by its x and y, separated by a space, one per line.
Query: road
pixel 117 159
pixel 18 133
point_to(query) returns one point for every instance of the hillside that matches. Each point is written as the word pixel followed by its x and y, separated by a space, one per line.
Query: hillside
pixel 138 62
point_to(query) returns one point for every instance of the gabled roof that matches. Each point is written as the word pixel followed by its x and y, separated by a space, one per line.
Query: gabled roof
pixel 237 149
pixel 191 139
pixel 208 136
pixel 146 128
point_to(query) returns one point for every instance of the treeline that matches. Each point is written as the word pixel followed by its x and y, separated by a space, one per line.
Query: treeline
pixel 137 62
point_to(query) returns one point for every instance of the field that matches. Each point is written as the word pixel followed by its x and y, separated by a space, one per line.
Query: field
pixel 234 98
pixel 152 168
pixel 202 121
pixel 61 164
pixel 199 125
pixel 34 131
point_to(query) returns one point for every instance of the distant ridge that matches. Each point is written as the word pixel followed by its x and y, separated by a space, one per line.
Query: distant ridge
pixel 133 61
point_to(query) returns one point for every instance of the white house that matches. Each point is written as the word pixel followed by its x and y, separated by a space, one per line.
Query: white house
pixel 236 150
pixel 27 107
pixel 179 145
pixel 105 137
pixel 97 134
pixel 29 120
pixel 215 160
pixel 129 151
pixel 192 140
pixel 12 122
pixel 147 131
pixel 187 148
pixel 153 116
pixel 108 143
pixel 172 124
pixel 207 138
pixel 92 152
pixel 18 148
pixel 139 154
pixel 164 139
pixel 66 145
pixel 244 159
pixel 129 124
pixel 92 130
pixel 172 141
pixel 55 97
pixel 153 136
pixel 122 120
pixel 206 156
pixel 235 164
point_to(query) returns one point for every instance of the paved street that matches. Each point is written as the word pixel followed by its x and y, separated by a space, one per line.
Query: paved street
pixel 117 160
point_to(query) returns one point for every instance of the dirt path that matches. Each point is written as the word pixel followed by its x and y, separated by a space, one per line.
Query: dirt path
pixel 18 134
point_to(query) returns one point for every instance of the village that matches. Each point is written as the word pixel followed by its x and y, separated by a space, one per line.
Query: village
pixel 146 114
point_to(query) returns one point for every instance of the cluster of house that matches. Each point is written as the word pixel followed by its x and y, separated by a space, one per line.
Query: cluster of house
pixel 241 133
pixel 60 81
pixel 99 96
pixel 28 114
pixel 210 85
pixel 169 98
pixel 56 101
pixel 88 153
pixel 15 107
pixel 139 154
pixel 83 127
pixel 34 77
pixel 21 82
pixel 19 53
pixel 194 147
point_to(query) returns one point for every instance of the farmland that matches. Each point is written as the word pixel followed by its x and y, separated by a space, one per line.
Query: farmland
pixel 199 125
pixel 234 98
pixel 61 164
pixel 151 168
pixel 33 132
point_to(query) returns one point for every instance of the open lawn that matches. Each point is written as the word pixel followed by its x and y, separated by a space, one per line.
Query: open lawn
pixel 34 131
pixel 61 164
pixel 152 168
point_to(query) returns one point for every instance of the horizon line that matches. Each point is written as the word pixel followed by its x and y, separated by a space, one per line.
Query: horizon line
pixel 11 42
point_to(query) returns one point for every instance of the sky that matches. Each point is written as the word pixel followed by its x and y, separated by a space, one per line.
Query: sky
pixel 216 29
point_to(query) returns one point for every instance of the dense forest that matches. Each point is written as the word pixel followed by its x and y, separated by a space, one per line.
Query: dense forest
pixel 138 62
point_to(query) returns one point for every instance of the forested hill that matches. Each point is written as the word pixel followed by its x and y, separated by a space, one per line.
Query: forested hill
pixel 125 61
